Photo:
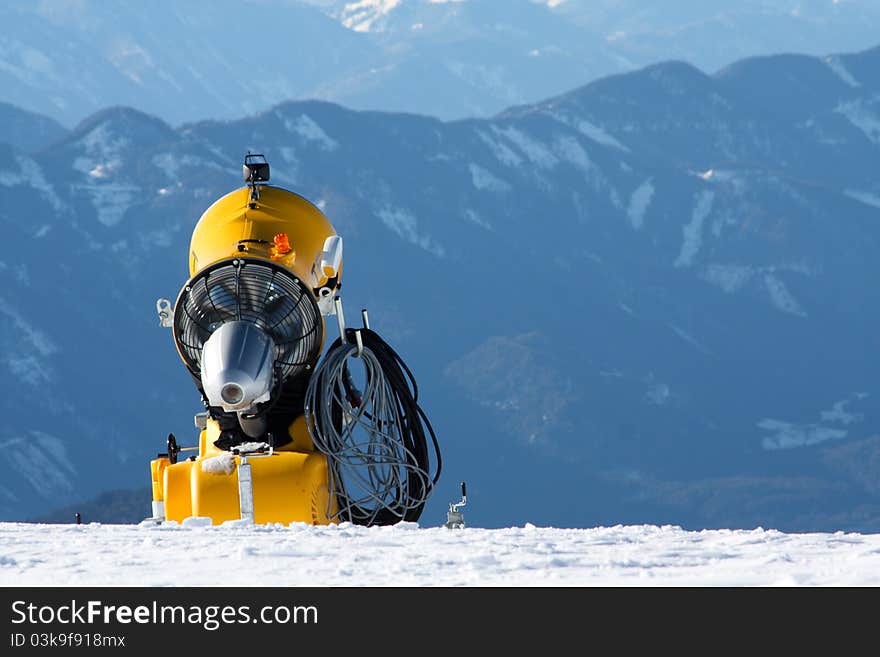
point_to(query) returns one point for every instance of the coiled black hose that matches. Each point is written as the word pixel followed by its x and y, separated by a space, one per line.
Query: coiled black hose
pixel 375 439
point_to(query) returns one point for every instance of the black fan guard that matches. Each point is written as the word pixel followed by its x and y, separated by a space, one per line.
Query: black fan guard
pixel 256 291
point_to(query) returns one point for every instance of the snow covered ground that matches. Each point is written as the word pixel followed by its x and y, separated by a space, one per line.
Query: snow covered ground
pixel 409 555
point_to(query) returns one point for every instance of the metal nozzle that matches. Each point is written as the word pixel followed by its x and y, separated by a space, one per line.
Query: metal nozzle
pixel 237 366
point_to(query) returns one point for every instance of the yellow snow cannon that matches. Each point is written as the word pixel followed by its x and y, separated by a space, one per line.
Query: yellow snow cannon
pixel 285 438
pixel 264 266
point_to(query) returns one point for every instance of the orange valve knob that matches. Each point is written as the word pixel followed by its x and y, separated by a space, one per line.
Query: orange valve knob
pixel 282 243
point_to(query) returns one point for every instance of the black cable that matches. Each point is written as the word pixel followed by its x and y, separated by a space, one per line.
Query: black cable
pixel 386 479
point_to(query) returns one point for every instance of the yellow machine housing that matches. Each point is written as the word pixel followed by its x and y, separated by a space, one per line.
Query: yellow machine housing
pixel 235 225
pixel 289 483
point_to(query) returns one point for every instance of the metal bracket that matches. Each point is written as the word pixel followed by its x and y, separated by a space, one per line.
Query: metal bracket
pixel 166 313
pixel 455 518
pixel 340 318
pixel 245 490
pixel 325 302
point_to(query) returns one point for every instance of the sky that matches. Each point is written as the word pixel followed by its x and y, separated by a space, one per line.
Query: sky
pixel 410 555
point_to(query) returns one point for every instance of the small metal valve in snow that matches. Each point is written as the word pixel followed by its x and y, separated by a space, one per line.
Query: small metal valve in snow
pixel 455 518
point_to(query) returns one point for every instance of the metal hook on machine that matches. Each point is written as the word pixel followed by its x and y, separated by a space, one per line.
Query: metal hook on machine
pixel 340 318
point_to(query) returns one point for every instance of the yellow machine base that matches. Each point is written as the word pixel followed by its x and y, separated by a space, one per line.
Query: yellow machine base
pixel 287 486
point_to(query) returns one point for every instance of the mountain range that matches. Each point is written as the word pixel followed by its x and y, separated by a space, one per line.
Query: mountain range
pixel 225 59
pixel 647 300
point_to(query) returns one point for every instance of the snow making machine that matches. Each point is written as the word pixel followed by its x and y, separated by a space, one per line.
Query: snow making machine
pixel 285 435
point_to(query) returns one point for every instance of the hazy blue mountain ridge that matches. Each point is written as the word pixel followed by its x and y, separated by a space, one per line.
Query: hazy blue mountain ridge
pixel 225 59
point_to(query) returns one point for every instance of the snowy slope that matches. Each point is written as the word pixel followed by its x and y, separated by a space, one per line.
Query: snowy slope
pixel 409 555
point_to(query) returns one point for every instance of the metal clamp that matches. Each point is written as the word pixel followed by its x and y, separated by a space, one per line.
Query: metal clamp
pixel 166 313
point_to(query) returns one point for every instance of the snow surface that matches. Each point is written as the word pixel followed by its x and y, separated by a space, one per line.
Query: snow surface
pixel 409 555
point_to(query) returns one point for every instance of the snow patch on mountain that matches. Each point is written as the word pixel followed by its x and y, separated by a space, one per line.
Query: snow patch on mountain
pixel 484 180
pixel 718 175
pixel 570 150
pixel 39 341
pixel 405 225
pixel 102 157
pixel 111 200
pixel 474 217
pixel 497 80
pixel 781 298
pixel 863 197
pixel 29 369
pixel 30 174
pixel 25 62
pixel 787 435
pixel 733 278
pixel 502 152
pixel 537 153
pixel 309 130
pixel 639 202
pixel 41 459
pixel 101 147
pixel 839 413
pixel 693 231
pixel 362 15
pixel 841 71
pixel 659 394
pixel 289 174
pixel 132 60
pixel 172 165
pixel 687 337
pixel 862 118
pixel 599 135
pixel 730 278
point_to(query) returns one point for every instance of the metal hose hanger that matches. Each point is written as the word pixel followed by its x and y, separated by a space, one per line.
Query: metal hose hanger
pixel 375 439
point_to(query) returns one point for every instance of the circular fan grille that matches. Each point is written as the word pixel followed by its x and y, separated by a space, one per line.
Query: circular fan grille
pixel 255 291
